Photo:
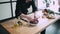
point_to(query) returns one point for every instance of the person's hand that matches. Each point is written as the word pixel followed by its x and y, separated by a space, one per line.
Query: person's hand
pixel 25 16
pixel 34 21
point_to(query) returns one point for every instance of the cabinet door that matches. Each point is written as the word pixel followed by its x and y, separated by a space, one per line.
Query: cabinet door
pixel 5 11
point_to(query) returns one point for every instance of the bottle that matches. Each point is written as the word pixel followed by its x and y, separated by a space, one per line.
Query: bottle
pixel 15 25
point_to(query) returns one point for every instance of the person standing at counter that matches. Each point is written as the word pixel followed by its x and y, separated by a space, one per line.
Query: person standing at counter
pixel 22 6
pixel 21 10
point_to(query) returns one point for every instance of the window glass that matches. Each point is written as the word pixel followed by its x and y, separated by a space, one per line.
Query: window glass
pixel 5 11
pixel 14 7
pixel 4 0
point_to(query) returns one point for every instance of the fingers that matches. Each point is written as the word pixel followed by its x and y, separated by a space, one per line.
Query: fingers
pixel 35 21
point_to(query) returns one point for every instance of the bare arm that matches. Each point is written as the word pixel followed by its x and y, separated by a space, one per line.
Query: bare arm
pixel 25 16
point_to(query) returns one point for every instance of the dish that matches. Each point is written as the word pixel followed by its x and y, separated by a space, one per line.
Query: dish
pixel 50 17
pixel 32 23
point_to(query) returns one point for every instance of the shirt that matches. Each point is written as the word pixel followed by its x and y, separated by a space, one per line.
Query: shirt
pixel 22 6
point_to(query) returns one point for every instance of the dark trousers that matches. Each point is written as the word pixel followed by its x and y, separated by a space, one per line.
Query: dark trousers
pixel 43 32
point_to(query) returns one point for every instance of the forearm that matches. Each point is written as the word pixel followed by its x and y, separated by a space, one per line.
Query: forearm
pixel 25 16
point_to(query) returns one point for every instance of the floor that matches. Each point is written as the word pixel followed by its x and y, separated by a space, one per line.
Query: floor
pixel 3 30
pixel 54 28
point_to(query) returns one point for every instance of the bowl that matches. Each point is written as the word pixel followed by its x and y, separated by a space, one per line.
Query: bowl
pixel 32 23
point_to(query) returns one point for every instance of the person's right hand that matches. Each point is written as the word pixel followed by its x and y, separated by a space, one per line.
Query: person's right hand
pixel 35 20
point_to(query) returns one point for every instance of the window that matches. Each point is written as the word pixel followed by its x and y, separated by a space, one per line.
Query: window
pixel 5 11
